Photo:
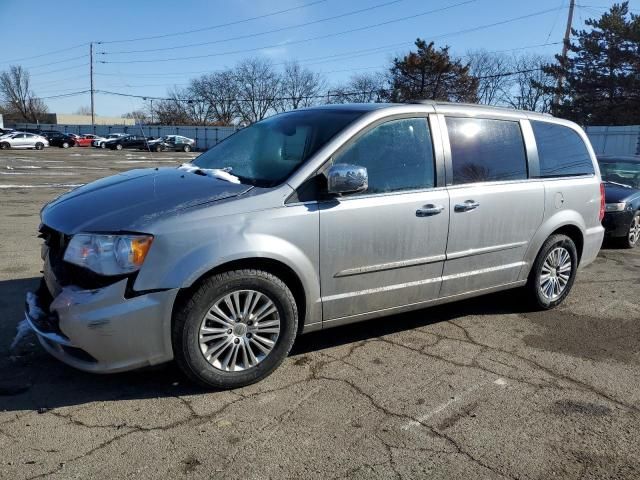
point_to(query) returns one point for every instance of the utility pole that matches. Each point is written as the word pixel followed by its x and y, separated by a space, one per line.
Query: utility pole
pixel 565 50
pixel 93 112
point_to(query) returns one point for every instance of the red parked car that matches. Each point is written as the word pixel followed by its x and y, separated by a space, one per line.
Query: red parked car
pixel 86 140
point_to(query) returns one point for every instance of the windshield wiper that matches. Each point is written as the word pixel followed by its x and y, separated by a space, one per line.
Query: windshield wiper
pixel 219 173
pixel 618 184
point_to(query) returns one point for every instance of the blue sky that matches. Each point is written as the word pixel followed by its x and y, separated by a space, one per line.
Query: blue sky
pixel 67 25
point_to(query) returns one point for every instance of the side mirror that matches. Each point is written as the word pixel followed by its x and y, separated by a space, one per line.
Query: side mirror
pixel 343 178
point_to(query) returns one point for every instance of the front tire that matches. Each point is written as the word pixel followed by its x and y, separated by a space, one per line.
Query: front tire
pixel 102 145
pixel 158 148
pixel 39 146
pixel 553 272
pixel 118 147
pixel 235 329
pixel 186 148
pixel 633 236
pixel 5 146
pixel 65 145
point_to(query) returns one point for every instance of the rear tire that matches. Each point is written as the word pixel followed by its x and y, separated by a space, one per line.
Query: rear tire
pixel 553 272
pixel 633 235
pixel 118 147
pixel 158 148
pixel 234 356
pixel 65 145
pixel 186 148
pixel 39 146
pixel 102 145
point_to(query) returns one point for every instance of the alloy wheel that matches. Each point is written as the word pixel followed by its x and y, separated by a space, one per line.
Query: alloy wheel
pixel 634 230
pixel 239 330
pixel 555 273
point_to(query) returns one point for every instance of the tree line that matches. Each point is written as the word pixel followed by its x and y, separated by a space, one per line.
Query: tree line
pixel 598 82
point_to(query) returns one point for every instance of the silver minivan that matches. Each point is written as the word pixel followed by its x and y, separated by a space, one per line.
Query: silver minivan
pixel 312 219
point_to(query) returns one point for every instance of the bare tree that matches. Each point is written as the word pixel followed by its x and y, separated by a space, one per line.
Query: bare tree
pixel 219 90
pixel 171 111
pixel 361 88
pixel 490 69
pixel 530 87
pixel 258 86
pixel 300 87
pixel 17 97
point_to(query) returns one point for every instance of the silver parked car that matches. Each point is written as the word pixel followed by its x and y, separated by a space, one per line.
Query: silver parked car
pixel 23 140
pixel 312 219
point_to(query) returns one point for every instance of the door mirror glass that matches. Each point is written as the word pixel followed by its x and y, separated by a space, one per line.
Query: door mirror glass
pixel 343 178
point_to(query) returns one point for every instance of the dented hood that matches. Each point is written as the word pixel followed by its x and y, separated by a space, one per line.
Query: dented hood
pixel 130 201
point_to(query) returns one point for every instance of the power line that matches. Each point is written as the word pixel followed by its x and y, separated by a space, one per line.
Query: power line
pixel 65 95
pixel 60 70
pixel 213 27
pixel 17 60
pixel 458 32
pixel 55 63
pixel 340 94
pixel 258 34
pixel 293 42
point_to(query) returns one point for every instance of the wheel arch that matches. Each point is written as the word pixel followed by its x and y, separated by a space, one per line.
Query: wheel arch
pixel 270 265
pixel 565 222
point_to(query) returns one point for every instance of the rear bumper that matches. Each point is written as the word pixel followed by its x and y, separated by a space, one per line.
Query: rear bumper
pixel 592 242
pixel 616 224
pixel 101 331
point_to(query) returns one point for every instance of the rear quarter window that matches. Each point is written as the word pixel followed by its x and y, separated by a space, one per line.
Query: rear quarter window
pixel 561 151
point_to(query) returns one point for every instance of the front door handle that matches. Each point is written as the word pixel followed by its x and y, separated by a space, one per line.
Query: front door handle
pixel 466 206
pixel 429 210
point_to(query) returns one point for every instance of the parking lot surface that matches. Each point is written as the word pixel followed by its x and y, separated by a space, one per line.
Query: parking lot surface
pixel 483 388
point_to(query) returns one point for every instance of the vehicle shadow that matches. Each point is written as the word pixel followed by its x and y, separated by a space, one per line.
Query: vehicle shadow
pixel 30 379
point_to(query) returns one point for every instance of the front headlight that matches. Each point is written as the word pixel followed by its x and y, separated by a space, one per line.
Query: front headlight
pixel 108 254
pixel 615 207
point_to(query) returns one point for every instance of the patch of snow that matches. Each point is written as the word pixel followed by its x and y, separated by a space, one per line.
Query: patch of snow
pixel 21 331
pixel 210 172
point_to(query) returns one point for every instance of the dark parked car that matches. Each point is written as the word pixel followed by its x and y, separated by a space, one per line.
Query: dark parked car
pixel 621 176
pixel 128 141
pixel 59 139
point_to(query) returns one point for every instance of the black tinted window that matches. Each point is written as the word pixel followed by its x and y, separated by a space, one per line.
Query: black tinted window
pixel 486 150
pixel 561 151
pixel 398 155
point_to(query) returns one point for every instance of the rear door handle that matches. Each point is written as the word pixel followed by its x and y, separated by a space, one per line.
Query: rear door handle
pixel 429 210
pixel 466 206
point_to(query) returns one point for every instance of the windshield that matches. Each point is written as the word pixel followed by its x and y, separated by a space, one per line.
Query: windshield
pixel 619 171
pixel 266 153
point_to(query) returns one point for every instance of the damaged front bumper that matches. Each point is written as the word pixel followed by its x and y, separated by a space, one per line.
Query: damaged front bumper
pixel 101 330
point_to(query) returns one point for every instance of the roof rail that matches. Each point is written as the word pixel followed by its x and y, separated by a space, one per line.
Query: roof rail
pixel 468 104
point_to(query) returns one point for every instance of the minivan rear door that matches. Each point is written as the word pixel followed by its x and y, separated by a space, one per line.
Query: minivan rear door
pixel 384 248
pixel 495 209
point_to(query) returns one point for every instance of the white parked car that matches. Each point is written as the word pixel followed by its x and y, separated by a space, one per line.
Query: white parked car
pixel 23 140
pixel 100 142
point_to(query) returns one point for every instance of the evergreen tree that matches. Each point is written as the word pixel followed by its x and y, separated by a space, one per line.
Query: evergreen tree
pixel 601 76
pixel 431 74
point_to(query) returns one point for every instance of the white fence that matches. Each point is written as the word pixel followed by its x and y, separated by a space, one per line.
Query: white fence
pixel 624 140
pixel 205 137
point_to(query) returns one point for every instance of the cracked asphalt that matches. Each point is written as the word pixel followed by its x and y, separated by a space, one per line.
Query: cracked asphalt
pixel 477 389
